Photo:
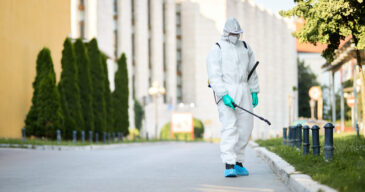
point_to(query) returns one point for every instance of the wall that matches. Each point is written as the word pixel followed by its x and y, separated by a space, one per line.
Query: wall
pixel 26 26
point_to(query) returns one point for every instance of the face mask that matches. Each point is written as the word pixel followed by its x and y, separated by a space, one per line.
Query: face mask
pixel 233 38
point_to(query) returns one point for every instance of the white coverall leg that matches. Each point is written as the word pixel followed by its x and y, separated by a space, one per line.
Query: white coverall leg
pixel 228 67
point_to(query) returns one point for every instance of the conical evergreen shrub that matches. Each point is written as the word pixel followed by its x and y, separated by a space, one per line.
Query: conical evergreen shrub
pixel 121 97
pixel 44 82
pixel 98 86
pixel 70 92
pixel 49 114
pixel 84 82
pixel 107 95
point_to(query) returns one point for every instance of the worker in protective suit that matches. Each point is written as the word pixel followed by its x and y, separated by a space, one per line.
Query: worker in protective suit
pixel 228 64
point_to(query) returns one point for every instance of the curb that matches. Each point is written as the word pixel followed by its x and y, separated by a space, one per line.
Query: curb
pixel 295 180
pixel 72 148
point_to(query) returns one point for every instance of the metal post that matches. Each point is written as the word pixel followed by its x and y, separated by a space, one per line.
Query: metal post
pixel 328 141
pixel 315 140
pixel 342 109
pixel 333 97
pixel 290 133
pixel 90 136
pixel 23 134
pixel 156 116
pixel 83 136
pixel 355 99
pixel 305 139
pixel 299 136
pixel 58 136
pixel 74 135
pixel 293 136
pixel 96 137
pixel 284 136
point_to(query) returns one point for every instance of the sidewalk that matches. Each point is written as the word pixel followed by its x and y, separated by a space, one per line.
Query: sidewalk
pixel 159 167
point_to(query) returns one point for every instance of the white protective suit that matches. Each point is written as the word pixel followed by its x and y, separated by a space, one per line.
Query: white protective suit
pixel 228 67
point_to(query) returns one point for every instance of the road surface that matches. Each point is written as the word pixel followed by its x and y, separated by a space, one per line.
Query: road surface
pixel 155 167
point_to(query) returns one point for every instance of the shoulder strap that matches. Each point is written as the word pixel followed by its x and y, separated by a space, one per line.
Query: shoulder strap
pixel 244 43
pixel 218 45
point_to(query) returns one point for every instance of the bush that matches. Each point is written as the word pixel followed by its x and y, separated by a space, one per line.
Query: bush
pixel 121 97
pixel 198 131
pixel 107 95
pixel 70 92
pixel 44 116
pixel 84 83
pixel 98 86
pixel 138 114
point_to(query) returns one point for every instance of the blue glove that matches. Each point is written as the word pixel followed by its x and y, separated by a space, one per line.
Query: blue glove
pixel 255 99
pixel 228 101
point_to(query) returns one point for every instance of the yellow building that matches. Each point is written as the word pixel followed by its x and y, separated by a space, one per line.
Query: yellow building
pixel 26 26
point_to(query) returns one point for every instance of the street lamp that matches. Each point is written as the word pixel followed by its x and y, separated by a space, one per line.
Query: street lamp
pixel 155 90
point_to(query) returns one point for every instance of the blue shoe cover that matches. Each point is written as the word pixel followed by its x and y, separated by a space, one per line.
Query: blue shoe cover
pixel 241 170
pixel 230 173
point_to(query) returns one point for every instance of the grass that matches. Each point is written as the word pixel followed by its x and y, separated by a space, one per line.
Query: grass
pixel 18 143
pixel 345 172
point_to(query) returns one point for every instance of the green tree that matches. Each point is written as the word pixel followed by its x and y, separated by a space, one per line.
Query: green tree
pixel 44 82
pixel 49 114
pixel 328 22
pixel 107 95
pixel 69 91
pixel 84 83
pixel 98 86
pixel 138 114
pixel 31 118
pixel 306 79
pixel 121 97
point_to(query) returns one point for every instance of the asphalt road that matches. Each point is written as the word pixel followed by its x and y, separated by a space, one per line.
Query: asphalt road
pixel 155 167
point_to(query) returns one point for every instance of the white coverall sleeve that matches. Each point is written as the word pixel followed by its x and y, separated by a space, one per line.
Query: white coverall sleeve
pixel 214 68
pixel 253 82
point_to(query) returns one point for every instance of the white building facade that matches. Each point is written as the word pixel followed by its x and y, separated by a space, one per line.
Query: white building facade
pixel 168 41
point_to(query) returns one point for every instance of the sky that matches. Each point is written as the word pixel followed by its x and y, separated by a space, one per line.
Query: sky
pixel 276 5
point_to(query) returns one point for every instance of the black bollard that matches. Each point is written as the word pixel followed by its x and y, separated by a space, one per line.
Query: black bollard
pixel 90 136
pixel 83 136
pixel 315 140
pixel 305 139
pixel 96 137
pixel 284 136
pixel 104 137
pixel 328 141
pixel 74 135
pixel 293 136
pixel 23 134
pixel 58 136
pixel 299 136
pixel 289 140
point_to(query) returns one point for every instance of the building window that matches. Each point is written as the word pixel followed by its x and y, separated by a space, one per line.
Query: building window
pixel 179 94
pixel 115 17
pixel 132 4
pixel 82 29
